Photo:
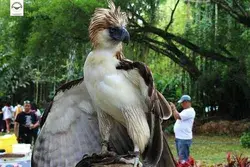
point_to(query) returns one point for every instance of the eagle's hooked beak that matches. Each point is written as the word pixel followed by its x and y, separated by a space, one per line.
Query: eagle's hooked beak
pixel 119 34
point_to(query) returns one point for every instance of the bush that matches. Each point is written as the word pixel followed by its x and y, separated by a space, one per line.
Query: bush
pixel 245 140
pixel 234 128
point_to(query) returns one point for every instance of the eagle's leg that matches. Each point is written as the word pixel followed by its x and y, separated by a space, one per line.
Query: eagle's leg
pixel 138 130
pixel 105 125
pixel 137 156
pixel 136 160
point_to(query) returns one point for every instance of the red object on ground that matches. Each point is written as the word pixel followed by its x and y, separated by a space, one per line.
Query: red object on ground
pixel 189 163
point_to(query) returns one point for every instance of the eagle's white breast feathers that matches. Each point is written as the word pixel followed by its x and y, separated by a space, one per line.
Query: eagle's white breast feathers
pixel 112 90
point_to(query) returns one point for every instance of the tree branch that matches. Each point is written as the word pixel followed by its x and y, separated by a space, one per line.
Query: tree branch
pixel 227 7
pixel 223 49
pixel 240 8
pixel 203 52
pixel 172 16
pixel 137 16
pixel 174 54
pixel 242 17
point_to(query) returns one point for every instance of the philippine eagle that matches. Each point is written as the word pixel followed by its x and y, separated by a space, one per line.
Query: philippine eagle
pixel 115 105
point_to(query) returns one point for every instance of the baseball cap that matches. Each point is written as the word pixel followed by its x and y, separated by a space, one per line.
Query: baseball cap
pixel 184 98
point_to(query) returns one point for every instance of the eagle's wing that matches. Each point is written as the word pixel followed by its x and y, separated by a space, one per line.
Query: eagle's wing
pixel 70 130
pixel 140 75
pixel 157 153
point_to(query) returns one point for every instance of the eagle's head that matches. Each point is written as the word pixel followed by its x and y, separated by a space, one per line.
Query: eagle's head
pixel 107 27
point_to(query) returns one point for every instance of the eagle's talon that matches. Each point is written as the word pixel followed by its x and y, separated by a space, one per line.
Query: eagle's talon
pixel 137 162
pixel 107 154
pixel 85 156
pixel 134 161
pixel 134 153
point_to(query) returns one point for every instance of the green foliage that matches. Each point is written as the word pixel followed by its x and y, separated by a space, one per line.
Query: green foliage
pixel 47 45
pixel 170 129
pixel 245 140
pixel 180 17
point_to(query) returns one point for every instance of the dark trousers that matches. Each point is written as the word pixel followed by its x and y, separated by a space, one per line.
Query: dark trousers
pixel 35 133
pixel 28 137
pixel 25 138
pixel 182 147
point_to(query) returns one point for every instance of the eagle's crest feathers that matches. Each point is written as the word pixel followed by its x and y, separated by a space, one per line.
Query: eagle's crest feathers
pixel 104 18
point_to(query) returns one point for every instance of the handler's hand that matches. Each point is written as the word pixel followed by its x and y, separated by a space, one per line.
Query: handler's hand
pixel 32 126
pixel 172 106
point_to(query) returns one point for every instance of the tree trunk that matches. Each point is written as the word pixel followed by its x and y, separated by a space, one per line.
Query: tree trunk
pixel 40 93
pixel 36 91
pixel 215 23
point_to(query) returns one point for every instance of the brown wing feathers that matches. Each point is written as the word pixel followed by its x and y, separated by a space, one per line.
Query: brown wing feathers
pixel 153 152
pixel 69 85
pixel 157 152
pixel 143 71
pixel 166 110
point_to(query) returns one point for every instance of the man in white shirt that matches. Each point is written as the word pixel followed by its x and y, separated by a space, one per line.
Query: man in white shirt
pixel 183 127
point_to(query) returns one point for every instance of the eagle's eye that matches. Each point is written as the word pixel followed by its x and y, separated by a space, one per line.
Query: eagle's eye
pixel 119 34
pixel 113 29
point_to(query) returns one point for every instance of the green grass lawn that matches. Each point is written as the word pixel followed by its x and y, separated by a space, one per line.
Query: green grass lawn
pixel 212 149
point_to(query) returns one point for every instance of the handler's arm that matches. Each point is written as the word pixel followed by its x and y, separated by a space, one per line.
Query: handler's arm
pixel 174 111
pixel 36 124
pixel 16 129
